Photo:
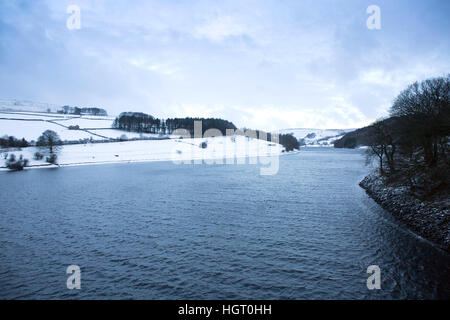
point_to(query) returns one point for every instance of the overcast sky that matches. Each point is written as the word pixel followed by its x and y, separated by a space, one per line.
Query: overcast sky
pixel 261 64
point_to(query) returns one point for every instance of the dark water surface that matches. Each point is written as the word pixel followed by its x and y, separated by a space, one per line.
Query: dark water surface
pixel 160 230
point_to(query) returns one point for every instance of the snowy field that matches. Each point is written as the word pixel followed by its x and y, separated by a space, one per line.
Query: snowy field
pixel 33 115
pixel 177 150
pixel 87 122
pixel 30 125
pixel 31 130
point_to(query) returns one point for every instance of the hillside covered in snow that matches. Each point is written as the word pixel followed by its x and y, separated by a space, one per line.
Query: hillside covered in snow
pixel 91 139
pixel 70 128
pixel 316 137
pixel 25 105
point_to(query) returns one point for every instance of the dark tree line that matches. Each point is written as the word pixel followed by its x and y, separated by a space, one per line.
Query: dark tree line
pixel 413 144
pixel 141 122
pixel 12 142
pixel 207 123
pixel 138 122
pixel 78 111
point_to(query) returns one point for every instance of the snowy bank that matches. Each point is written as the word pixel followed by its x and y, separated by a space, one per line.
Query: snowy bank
pixel 226 150
pixel 428 219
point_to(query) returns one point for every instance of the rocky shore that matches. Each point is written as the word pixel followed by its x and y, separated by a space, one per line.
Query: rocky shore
pixel 429 219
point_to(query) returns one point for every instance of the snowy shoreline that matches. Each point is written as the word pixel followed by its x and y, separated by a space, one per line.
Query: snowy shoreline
pixel 227 150
pixel 428 219
pixel 56 166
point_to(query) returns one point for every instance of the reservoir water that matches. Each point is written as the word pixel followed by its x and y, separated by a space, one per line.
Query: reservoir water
pixel 166 231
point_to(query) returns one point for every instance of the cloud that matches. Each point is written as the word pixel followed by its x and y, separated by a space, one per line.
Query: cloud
pixel 218 29
pixel 259 63
pixel 166 69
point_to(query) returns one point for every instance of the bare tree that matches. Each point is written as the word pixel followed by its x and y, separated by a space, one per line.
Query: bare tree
pixel 49 139
pixel 381 145
pixel 424 112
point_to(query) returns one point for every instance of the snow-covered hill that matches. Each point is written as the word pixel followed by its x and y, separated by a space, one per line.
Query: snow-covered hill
pixel 25 105
pixel 72 128
pixel 16 105
pixel 30 125
pixel 316 137
pixel 28 119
